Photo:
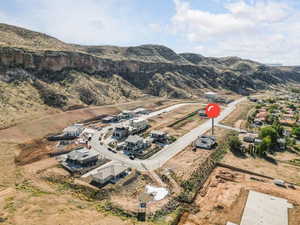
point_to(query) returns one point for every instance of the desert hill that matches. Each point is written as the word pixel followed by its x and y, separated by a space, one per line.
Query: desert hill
pixel 39 73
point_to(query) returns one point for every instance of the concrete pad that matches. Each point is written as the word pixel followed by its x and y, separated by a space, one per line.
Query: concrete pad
pixel 263 209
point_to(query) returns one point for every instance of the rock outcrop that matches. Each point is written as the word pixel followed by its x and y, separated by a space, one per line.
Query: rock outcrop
pixel 95 75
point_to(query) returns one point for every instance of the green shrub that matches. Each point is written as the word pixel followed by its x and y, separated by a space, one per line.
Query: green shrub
pixel 234 143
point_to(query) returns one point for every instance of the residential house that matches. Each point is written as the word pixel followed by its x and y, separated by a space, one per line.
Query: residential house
pixel 211 96
pixel 258 123
pixel 159 136
pixel 141 111
pixel 128 114
pixel 134 143
pixel 74 130
pixel 138 125
pixel 83 157
pixel 110 172
pixel 82 160
pixel 109 119
pixel 262 116
pixel 206 142
pixel 121 132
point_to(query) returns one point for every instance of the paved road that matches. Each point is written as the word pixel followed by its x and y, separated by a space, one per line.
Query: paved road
pixel 169 151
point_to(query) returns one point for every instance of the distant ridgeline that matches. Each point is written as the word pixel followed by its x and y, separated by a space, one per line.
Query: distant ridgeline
pixel 61 75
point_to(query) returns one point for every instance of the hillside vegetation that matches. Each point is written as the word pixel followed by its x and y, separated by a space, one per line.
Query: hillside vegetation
pixel 40 74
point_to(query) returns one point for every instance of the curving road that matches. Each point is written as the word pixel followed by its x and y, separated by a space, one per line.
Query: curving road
pixel 160 158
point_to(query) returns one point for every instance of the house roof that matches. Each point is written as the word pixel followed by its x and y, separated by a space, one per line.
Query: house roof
pixel 73 128
pixel 121 128
pixel 110 169
pixel 158 132
pixel 210 93
pixel 127 112
pixel 138 120
pixel 108 118
pixel 139 110
pixel 82 154
pixel 261 114
pixel 205 141
pixel 134 139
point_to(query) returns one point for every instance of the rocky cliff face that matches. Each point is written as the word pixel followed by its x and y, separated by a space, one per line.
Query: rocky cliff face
pixel 63 75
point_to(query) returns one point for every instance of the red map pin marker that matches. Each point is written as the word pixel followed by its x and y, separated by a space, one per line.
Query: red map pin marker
pixel 212 110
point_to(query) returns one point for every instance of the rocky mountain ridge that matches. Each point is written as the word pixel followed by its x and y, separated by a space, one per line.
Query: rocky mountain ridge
pixel 60 75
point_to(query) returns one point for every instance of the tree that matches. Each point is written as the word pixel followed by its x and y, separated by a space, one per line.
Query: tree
pixel 292 107
pixel 234 144
pixel 296 132
pixel 270 119
pixel 269 131
pixel 265 146
pixel 278 128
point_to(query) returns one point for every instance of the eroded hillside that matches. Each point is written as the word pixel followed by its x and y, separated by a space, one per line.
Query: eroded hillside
pixel 39 74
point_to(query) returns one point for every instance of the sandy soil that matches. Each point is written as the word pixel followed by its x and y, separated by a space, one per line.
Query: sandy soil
pixel 224 200
pixel 42 203
pixel 162 122
pixel 35 129
pixel 278 170
pixel 184 163
pixel 240 113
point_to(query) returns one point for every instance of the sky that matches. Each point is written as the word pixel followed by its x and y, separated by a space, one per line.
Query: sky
pixel 267 31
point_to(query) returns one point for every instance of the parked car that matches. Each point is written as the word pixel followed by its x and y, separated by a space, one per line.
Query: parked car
pixel 132 157
pixel 280 183
pixel 249 139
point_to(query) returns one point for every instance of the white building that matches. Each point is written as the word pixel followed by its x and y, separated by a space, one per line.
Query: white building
pixel 211 95
pixel 138 124
pixel 134 143
pixel 74 130
pixel 141 111
pixel 128 113
pixel 110 172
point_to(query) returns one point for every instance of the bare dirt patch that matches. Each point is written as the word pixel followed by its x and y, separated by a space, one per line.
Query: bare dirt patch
pixel 187 161
pixel 226 196
pixel 7 165
pixel 34 151
pixel 240 113
pixel 163 121
pixel 38 128
pixel 277 169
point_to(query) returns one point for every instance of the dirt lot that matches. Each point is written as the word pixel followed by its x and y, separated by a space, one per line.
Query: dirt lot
pixel 128 196
pixel 184 163
pixel 39 202
pixel 240 113
pixel 7 165
pixel 39 128
pixel 162 121
pixel 222 200
pixel 274 169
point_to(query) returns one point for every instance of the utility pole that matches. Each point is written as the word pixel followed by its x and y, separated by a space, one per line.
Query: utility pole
pixel 212 126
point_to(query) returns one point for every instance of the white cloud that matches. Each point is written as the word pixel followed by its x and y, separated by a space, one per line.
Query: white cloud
pixel 85 22
pixel 267 31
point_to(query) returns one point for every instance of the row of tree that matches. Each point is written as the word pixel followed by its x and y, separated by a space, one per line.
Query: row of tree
pixel 269 136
